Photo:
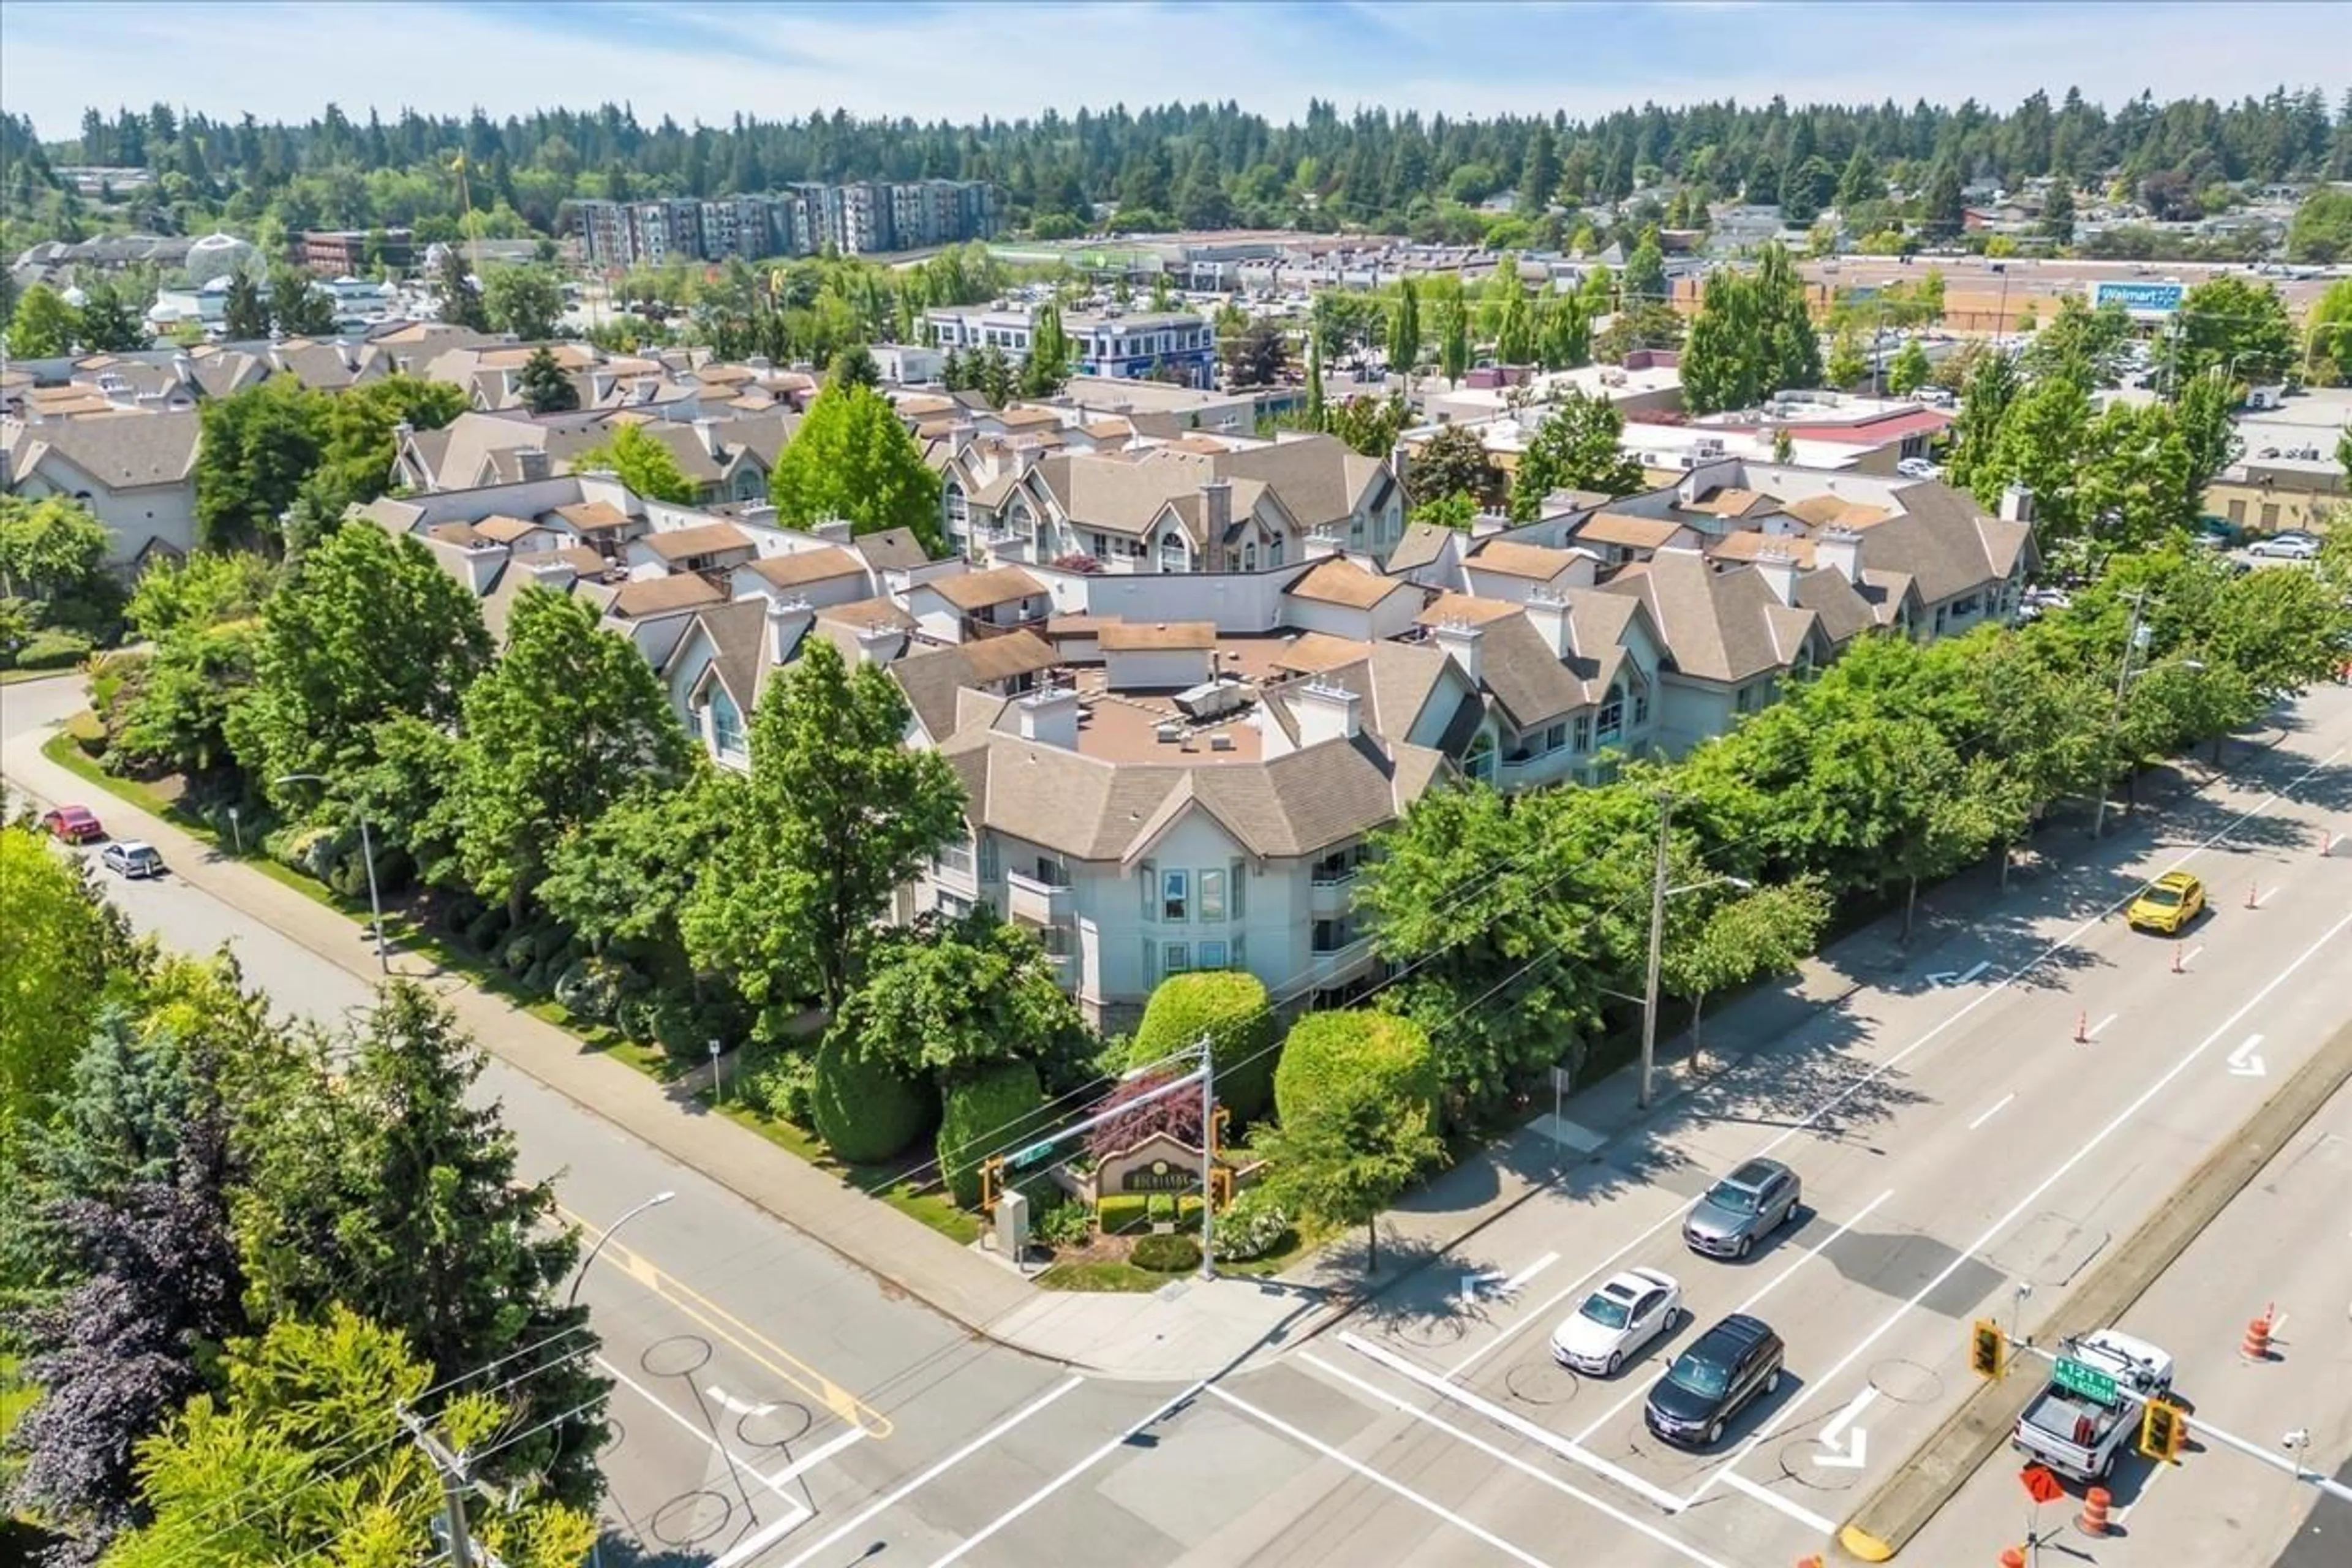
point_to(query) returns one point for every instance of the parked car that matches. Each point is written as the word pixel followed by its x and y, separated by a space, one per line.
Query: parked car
pixel 1725 1368
pixel 2166 904
pixel 1616 1321
pixel 1916 468
pixel 2285 547
pixel 1742 1209
pixel 132 859
pixel 74 824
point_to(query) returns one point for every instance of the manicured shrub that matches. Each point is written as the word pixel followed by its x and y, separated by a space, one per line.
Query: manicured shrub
pixel 784 1085
pixel 1162 1208
pixel 1121 1213
pixel 1251 1226
pixel 995 1107
pixel 1230 1007
pixel 1166 1254
pixel 1064 1223
pixel 88 734
pixel 859 1107
pixel 52 650
pixel 1376 1053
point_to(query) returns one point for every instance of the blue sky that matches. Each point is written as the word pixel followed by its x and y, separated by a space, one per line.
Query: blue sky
pixel 708 59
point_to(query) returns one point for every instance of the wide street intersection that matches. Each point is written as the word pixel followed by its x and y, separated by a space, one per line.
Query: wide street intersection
pixel 777 1405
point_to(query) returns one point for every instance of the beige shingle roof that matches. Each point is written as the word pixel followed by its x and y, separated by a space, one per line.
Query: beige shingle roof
pixel 1631 532
pixel 708 539
pixel 1152 637
pixel 1717 626
pixel 659 595
pixel 1336 580
pixel 982 590
pixel 121 451
pixel 1536 562
pixel 805 566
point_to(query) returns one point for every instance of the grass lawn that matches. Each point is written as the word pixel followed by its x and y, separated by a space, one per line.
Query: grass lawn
pixel 16 1397
pixel 1101 1276
pixel 892 1184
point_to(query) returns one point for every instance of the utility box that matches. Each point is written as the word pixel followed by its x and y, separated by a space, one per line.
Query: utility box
pixel 1013 1224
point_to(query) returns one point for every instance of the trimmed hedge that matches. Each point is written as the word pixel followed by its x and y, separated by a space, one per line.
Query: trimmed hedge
pixel 1378 1052
pixel 1123 1212
pixel 982 1116
pixel 862 1110
pixel 1230 1006
pixel 1166 1254
pixel 52 650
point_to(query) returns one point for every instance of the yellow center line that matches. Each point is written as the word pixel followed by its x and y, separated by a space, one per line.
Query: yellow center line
pixel 770 1355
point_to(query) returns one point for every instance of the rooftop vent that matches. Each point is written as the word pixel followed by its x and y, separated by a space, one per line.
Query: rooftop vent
pixel 1169 733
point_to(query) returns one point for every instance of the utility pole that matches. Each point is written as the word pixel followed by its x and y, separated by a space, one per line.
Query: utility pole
pixel 2139 597
pixel 1208 1158
pixel 1657 949
pixel 455 1479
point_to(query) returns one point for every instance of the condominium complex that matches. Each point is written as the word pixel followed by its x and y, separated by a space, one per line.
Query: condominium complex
pixel 854 219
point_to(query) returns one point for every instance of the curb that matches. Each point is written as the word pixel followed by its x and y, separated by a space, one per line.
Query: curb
pixel 1890 1517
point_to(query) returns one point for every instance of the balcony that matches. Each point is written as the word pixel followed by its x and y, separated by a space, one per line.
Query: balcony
pixel 1338 965
pixel 1035 902
pixel 1331 893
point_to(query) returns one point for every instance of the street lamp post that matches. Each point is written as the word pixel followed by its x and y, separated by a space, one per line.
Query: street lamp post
pixel 581 1273
pixel 1659 894
pixel 367 855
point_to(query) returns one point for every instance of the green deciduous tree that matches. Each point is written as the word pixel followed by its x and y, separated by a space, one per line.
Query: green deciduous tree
pixel 245 313
pixel 1574 449
pixel 53 550
pixel 851 458
pixel 57 945
pixel 569 719
pixel 110 323
pixel 1732 939
pixel 1047 365
pixel 42 325
pixel 255 449
pixel 1909 369
pixel 1452 462
pixel 1369 426
pixel 379 1183
pixel 527 302
pixel 948 998
pixel 365 626
pixel 302 1454
pixel 639 461
pixel 543 386
pixel 1845 364
pixel 1358 1123
pixel 2236 325
pixel 1404 329
pixel 838 814
pixel 299 308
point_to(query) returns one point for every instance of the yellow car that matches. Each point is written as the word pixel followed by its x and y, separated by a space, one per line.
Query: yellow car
pixel 2168 904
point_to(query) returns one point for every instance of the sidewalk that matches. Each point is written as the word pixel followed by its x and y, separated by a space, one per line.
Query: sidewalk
pixel 1186 1330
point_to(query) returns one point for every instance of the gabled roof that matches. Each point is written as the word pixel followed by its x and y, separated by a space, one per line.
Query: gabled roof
pixel 1536 562
pixel 1627 531
pixel 805 566
pixel 1464 607
pixel 504 530
pixel 983 589
pixel 1725 626
pixel 645 596
pixel 933 678
pixel 890 549
pixel 1423 544
pixel 594 516
pixel 1336 580
pixel 121 451
pixel 1156 636
pixel 706 539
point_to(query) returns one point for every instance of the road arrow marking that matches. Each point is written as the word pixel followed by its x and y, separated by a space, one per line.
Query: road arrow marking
pixel 1856 1454
pixel 1513 1284
pixel 1943 977
pixel 1472 1284
pixel 735 1406
pixel 2245 1062
pixel 1982 965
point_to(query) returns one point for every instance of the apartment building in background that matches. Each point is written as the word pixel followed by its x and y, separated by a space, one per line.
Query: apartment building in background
pixel 856 218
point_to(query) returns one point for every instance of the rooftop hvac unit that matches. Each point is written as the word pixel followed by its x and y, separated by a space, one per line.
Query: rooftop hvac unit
pixel 1211 699
pixel 1221 741
pixel 1168 734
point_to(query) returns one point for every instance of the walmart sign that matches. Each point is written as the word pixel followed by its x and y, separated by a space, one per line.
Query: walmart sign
pixel 2139 299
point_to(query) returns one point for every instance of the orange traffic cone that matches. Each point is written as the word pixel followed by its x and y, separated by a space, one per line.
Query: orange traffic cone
pixel 2258 1338
pixel 2094 1518
pixel 2013 1558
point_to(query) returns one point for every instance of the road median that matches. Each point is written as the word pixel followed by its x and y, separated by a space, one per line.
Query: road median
pixel 1901 1507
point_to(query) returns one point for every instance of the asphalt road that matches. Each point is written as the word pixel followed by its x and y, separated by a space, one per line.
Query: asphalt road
pixel 781 1408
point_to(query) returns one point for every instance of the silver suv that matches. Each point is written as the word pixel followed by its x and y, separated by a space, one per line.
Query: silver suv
pixel 1742 1209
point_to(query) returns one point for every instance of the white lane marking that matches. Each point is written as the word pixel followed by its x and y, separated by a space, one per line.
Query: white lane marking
pixel 1850 1414
pixel 734 1407
pixel 2009 979
pixel 1993 1231
pixel 1631 1521
pixel 2101 1026
pixel 2245 1062
pixel 2139 1497
pixel 1493 1412
pixel 819 1456
pixel 1517 1280
pixel 1804 1255
pixel 1066 1477
pixel 1380 1480
pixel 2190 956
pixel 760 1540
pixel 941 1469
pixel 1992 1110
pixel 1789 1506
pixel 734 1460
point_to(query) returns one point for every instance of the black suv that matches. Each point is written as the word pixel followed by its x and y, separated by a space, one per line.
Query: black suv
pixel 1730 1364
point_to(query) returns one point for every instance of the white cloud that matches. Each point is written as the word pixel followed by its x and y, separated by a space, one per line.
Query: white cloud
pixel 708 62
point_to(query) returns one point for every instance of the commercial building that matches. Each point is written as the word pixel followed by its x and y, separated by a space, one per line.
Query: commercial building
pixel 1180 346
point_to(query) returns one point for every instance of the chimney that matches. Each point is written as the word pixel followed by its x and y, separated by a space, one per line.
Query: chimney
pixel 1322 544
pixel 483 563
pixel 833 529
pixel 1400 465
pixel 185 368
pixel 531 462
pixel 1216 509
pixel 707 432
pixel 787 620
pixel 556 574
pixel 757 514
pixel 878 644
pixel 404 363
pixel 1547 613
pixel 401 433
pixel 1326 710
pixel 2017 504
pixel 1050 717
pixel 1459 639
pixel 1777 567
pixel 1840 549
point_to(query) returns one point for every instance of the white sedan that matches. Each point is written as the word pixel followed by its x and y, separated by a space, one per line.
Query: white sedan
pixel 1616 1321
pixel 2285 547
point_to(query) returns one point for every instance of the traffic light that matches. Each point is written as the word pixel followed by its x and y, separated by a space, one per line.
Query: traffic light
pixel 1988 1349
pixel 2161 1431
